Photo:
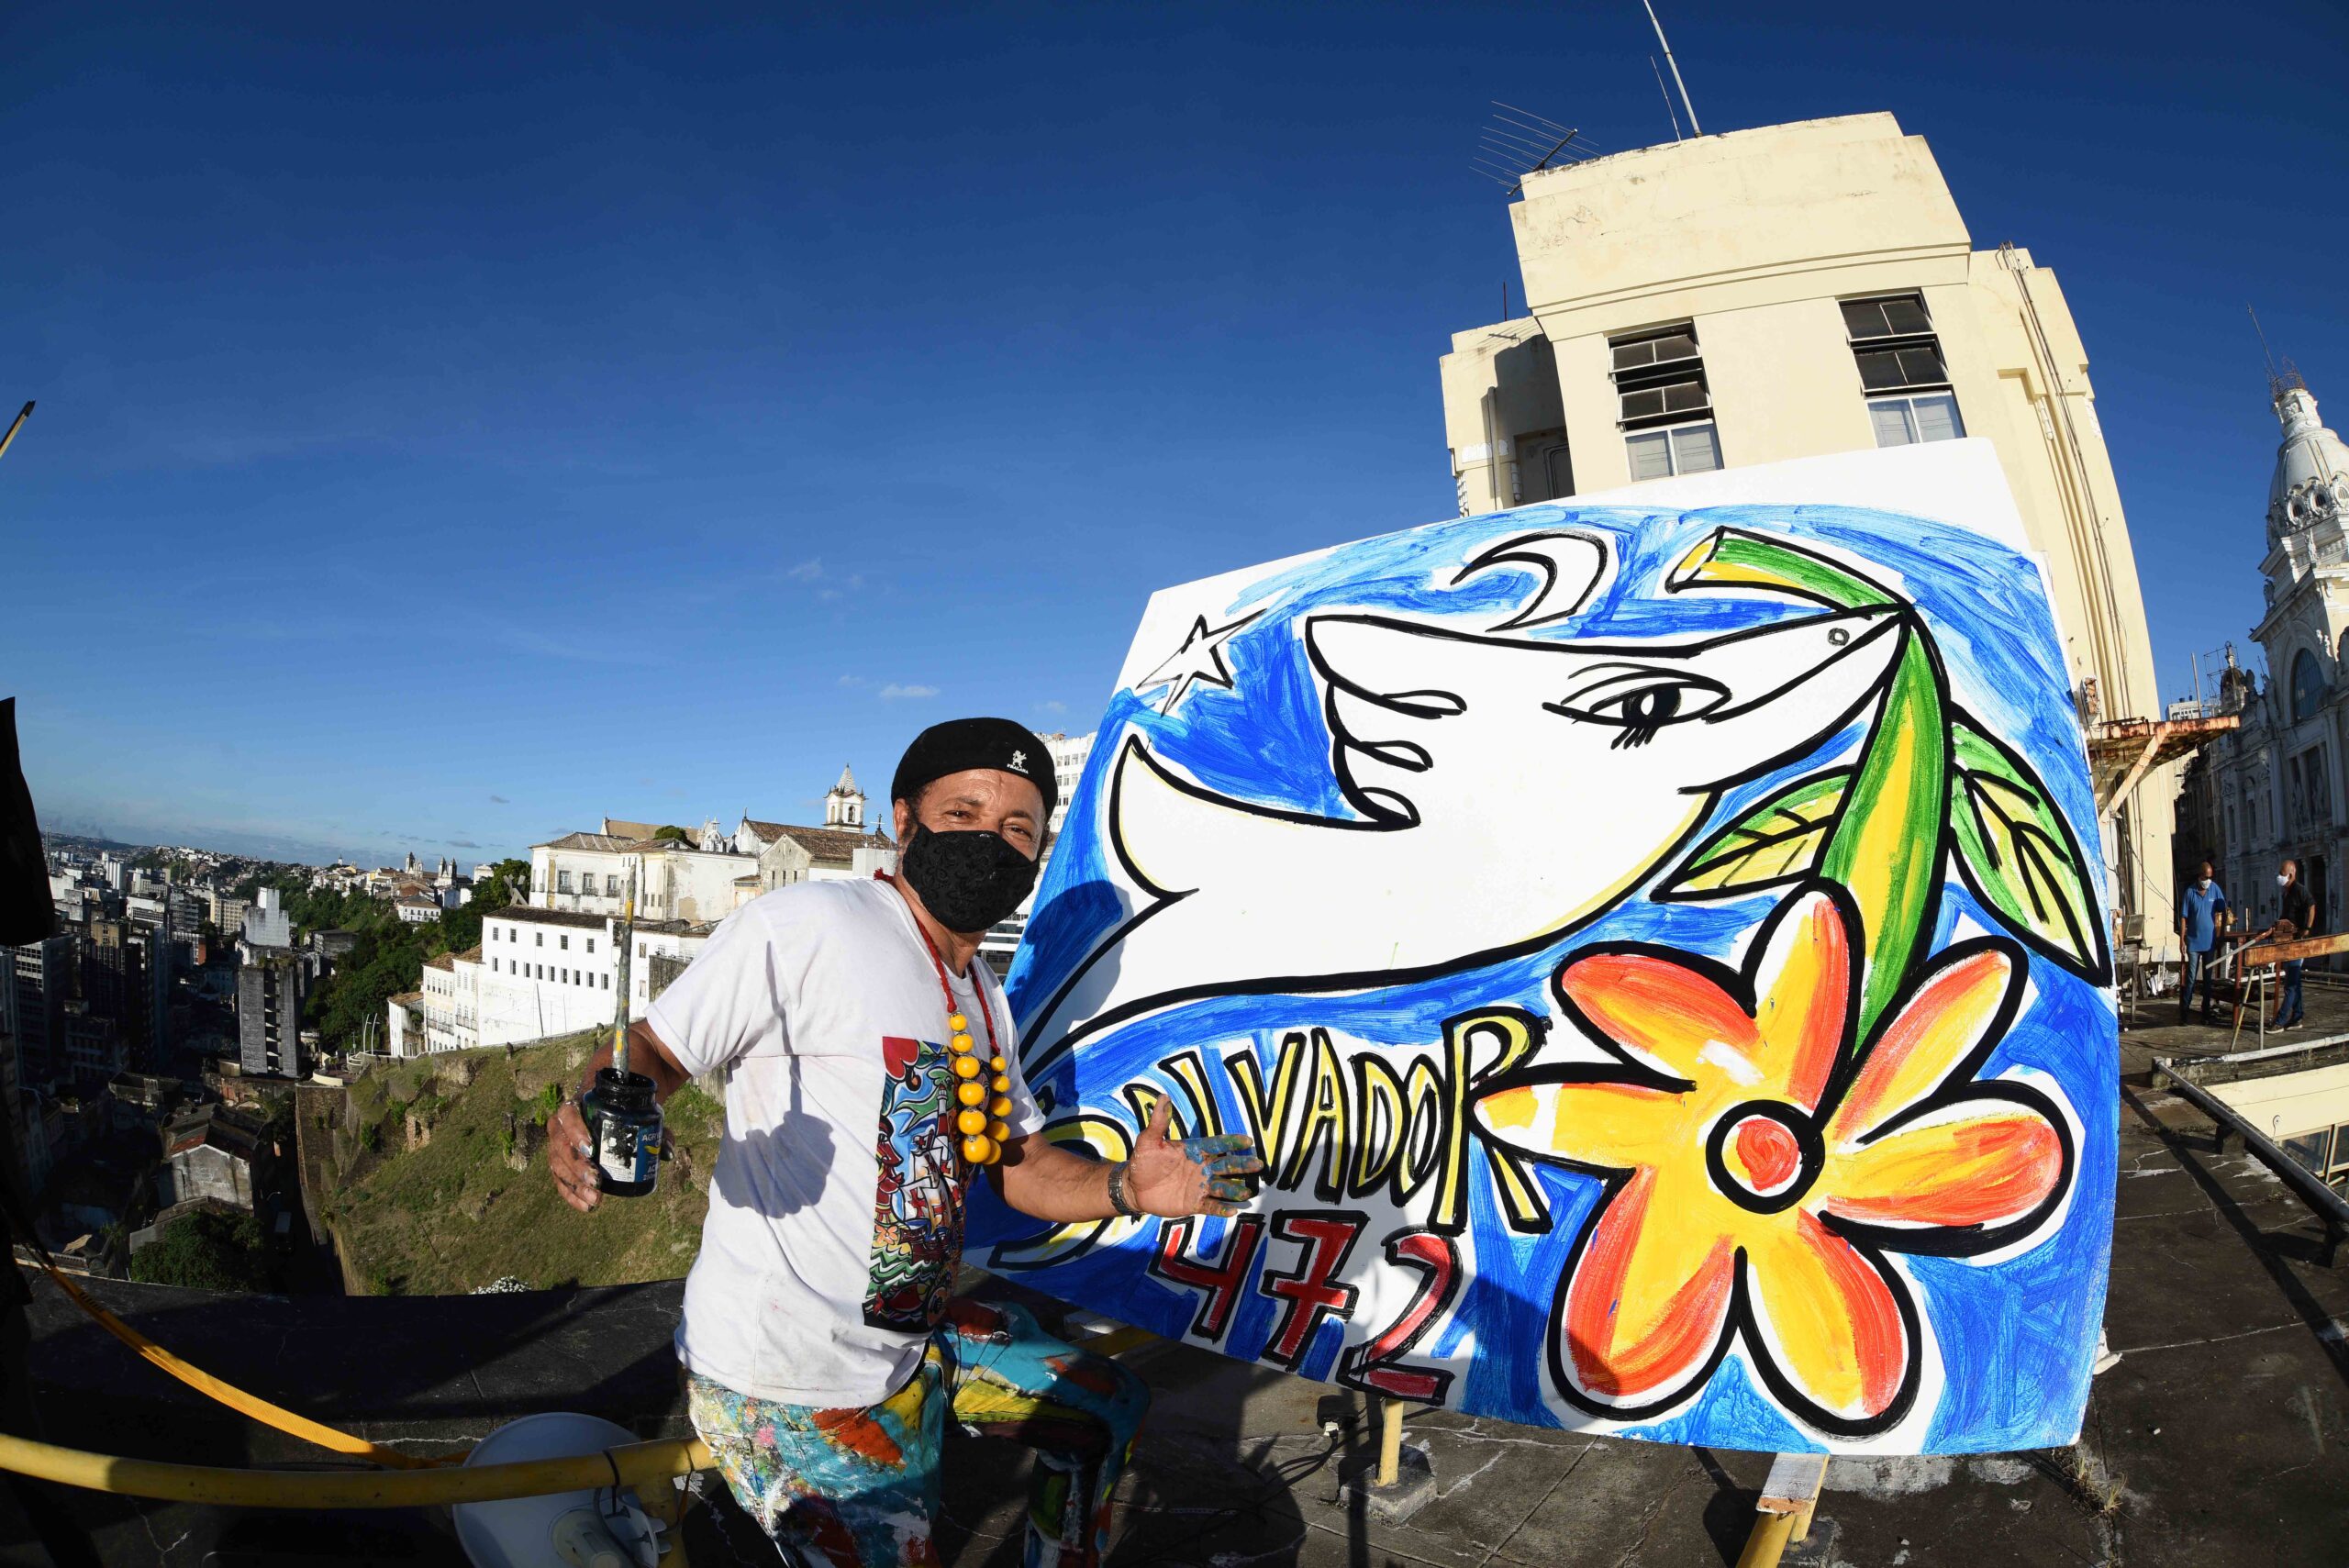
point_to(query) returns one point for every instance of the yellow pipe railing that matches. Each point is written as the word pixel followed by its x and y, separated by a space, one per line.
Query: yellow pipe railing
pixel 631 1465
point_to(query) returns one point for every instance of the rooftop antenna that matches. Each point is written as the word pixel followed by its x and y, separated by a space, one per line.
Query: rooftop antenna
pixel 1670 113
pixel 1518 142
pixel 2278 382
pixel 15 424
pixel 1693 129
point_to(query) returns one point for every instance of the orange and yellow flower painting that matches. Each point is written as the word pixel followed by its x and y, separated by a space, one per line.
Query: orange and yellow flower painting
pixel 1761 1176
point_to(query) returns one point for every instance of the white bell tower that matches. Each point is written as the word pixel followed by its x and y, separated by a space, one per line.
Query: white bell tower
pixel 844 806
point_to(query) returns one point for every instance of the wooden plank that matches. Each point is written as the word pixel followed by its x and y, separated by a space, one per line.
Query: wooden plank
pixel 1793 1484
pixel 2285 953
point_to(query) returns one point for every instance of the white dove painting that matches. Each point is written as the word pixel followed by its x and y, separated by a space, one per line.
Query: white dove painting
pixel 1657 943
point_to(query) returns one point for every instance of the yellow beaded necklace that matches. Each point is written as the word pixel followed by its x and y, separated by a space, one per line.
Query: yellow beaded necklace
pixel 982 1120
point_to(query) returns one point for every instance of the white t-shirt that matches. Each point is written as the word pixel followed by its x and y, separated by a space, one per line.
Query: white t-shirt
pixel 835 1222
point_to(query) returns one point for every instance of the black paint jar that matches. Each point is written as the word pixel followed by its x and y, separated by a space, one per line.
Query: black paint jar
pixel 625 1121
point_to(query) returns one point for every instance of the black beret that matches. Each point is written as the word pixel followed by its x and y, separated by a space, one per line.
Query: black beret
pixel 962 743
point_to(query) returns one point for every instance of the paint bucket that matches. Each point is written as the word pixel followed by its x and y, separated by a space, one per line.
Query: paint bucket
pixel 625 1121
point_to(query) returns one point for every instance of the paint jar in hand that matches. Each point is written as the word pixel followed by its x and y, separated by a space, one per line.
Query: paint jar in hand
pixel 625 1121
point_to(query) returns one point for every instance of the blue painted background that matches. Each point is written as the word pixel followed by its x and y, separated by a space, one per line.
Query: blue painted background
pixel 2015 1337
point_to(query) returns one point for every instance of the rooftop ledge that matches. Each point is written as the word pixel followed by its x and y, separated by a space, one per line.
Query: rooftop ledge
pixel 2221 1438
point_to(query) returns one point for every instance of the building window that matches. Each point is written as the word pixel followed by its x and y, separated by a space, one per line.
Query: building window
pixel 1661 392
pixel 2308 686
pixel 612 885
pixel 1905 421
pixel 537 939
pixel 2325 1152
pixel 1899 359
pixel 591 944
pixel 607 982
pixel 562 881
pixel 563 942
pixel 1684 448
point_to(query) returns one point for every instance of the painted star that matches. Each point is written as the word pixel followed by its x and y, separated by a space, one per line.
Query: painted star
pixel 1198 662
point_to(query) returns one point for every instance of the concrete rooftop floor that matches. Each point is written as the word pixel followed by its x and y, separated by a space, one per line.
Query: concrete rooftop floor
pixel 2221 1438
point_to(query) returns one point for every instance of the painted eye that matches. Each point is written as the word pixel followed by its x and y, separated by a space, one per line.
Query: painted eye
pixel 1649 705
pixel 1641 699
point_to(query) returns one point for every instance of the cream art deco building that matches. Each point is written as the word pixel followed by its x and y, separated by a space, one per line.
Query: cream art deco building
pixel 2275 788
pixel 1794 291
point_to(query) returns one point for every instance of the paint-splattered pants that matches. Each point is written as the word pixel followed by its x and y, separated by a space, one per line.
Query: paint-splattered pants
pixel 859 1488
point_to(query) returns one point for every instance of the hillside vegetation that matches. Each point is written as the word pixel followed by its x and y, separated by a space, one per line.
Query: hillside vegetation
pixel 439 1181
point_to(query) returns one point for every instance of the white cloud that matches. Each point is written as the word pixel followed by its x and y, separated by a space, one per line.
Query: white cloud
pixel 1051 707
pixel 807 571
pixel 854 681
pixel 892 691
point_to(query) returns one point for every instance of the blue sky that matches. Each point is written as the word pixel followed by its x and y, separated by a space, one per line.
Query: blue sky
pixel 462 422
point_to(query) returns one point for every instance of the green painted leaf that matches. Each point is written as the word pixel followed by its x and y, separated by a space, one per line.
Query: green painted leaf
pixel 2019 856
pixel 1733 558
pixel 1777 841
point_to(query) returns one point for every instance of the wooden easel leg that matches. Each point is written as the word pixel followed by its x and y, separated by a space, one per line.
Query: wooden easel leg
pixel 1398 1481
pixel 1391 1442
pixel 1784 1511
pixel 1767 1544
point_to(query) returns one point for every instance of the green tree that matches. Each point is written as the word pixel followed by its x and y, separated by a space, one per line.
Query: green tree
pixel 509 883
pixel 205 1251
pixel 678 834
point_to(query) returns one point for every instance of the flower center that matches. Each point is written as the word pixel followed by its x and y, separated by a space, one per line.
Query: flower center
pixel 1767 1155
pixel 1763 1155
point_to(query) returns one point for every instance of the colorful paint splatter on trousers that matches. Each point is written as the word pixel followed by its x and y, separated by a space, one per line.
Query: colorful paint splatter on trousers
pixel 859 1488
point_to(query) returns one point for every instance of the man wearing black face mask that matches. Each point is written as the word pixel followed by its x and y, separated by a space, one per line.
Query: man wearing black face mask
pixel 873 1073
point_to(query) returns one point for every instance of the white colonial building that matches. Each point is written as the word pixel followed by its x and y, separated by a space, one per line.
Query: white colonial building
pixel 2275 787
pixel 706 874
pixel 451 1012
pixel 538 972
pixel 675 879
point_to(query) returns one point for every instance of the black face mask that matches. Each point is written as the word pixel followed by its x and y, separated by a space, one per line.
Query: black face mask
pixel 968 879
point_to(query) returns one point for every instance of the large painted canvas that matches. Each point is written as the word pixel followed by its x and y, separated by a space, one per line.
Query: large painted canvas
pixel 1659 942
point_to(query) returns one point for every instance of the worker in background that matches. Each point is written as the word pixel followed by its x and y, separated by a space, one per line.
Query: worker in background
pixel 2298 920
pixel 2202 920
pixel 873 1073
